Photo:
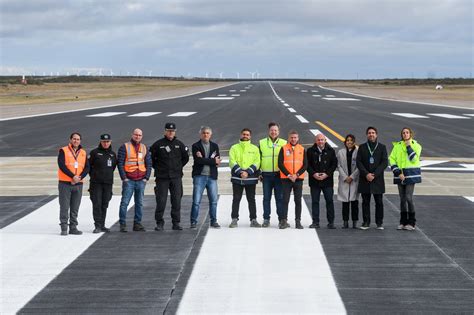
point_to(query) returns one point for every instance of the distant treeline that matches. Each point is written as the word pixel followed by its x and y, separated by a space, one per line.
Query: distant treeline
pixel 81 79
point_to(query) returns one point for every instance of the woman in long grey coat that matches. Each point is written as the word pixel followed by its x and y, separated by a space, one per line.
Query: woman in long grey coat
pixel 347 191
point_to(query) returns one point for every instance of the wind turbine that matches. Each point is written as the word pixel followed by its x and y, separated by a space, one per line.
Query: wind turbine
pixel 149 73
pixel 238 75
pixel 221 74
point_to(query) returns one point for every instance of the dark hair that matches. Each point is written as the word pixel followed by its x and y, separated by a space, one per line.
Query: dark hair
pixel 293 132
pixel 350 136
pixel 75 133
pixel 373 128
pixel 412 134
pixel 272 124
pixel 246 129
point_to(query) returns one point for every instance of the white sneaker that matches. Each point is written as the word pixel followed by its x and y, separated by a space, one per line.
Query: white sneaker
pixel 401 227
pixel 380 227
pixel 409 227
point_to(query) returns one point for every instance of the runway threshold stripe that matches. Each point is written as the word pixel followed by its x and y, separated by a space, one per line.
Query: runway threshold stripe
pixel 182 114
pixel 316 132
pixel 340 99
pixel 449 116
pixel 144 114
pixel 107 114
pixel 409 115
pixel 215 98
pixel 260 270
pixel 33 252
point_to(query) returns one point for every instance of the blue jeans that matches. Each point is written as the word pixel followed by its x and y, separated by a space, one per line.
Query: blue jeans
pixel 129 188
pixel 328 193
pixel 272 181
pixel 201 182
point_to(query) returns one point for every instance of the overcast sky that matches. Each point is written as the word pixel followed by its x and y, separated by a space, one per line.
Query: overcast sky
pixel 296 39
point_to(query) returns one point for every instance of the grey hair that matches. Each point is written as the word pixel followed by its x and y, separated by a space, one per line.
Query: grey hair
pixel 204 128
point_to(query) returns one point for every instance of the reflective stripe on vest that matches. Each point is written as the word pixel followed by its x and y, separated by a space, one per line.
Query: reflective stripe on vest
pixel 70 159
pixel 270 151
pixel 293 159
pixel 135 160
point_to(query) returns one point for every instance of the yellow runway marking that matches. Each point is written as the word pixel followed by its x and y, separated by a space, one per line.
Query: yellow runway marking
pixel 334 133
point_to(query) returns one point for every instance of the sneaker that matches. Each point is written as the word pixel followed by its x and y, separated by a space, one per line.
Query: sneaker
pixel 409 227
pixel 401 227
pixel 97 230
pixel 160 226
pixel 354 224
pixel 105 230
pixel 314 225
pixel 215 225
pixel 74 231
pixel 266 223
pixel 331 226
pixel 254 223
pixel 123 228
pixel 298 225
pixel 193 225
pixel 380 227
pixel 177 227
pixel 364 226
pixel 234 224
pixel 137 227
pixel 283 224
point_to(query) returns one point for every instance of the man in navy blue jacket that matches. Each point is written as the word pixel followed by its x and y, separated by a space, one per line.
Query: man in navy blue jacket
pixel 206 160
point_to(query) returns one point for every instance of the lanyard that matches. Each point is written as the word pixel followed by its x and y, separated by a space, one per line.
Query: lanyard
pixel 370 151
pixel 274 144
pixel 75 155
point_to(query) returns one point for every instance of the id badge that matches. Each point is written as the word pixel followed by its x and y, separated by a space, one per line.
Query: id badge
pixel 167 148
pixel 109 162
pixel 213 155
pixel 288 152
pixel 76 164
pixel 371 160
pixel 140 155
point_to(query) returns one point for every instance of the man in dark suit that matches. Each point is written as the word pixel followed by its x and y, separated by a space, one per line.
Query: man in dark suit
pixel 206 160
pixel 372 160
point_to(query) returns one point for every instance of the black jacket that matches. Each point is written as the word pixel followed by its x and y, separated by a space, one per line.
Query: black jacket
pixel 200 162
pixel 168 158
pixel 377 186
pixel 321 162
pixel 101 170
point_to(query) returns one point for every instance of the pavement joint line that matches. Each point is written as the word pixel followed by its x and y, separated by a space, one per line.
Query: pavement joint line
pixel 394 209
pixel 114 105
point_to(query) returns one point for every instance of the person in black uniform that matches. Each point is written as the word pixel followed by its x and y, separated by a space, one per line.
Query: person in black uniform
pixel 169 156
pixel 102 162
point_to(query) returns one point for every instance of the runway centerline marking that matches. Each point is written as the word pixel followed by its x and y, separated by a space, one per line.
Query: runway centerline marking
pixel 107 114
pixel 292 110
pixel 182 114
pixel 410 115
pixel 221 94
pixel 449 116
pixel 302 119
pixel 243 90
pixel 333 132
pixel 329 95
pixel 235 95
pixel 316 132
pixel 216 98
pixel 144 114
pixel 316 95
pixel 286 105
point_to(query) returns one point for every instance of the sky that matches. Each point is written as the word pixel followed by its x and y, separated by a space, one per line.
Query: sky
pixel 333 39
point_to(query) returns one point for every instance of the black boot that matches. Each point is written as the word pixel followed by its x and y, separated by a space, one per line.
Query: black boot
pixel 123 228
pixel 138 227
pixel 74 231
pixel 346 225
pixel 176 227
pixel 354 224
pixel 63 229
pixel 298 225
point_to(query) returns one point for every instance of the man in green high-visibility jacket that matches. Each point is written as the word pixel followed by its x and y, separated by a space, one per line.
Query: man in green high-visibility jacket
pixel 270 173
pixel 244 161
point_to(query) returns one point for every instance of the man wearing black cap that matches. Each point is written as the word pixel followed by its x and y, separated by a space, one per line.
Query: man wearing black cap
pixel 169 156
pixel 102 162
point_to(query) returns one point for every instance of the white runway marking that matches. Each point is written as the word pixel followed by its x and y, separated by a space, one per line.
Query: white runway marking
pixel 472 115
pixel 182 114
pixel 222 95
pixel 302 119
pixel 449 116
pixel 471 199
pixel 314 91
pixel 282 101
pixel 291 110
pixel 107 114
pixel 235 95
pixel 286 105
pixel 329 95
pixel 316 95
pixel 340 99
pixel 297 88
pixel 243 90
pixel 316 132
pixel 260 270
pixel 469 167
pixel 304 91
pixel 144 114
pixel 232 90
pixel 216 98
pixel 410 115
pixel 424 163
pixel 33 252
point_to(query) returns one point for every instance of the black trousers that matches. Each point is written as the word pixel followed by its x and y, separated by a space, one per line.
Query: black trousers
pixel 355 210
pixel 100 195
pixel 297 188
pixel 175 187
pixel 238 191
pixel 378 208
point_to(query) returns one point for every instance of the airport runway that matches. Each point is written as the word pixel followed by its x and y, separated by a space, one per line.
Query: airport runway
pixel 246 270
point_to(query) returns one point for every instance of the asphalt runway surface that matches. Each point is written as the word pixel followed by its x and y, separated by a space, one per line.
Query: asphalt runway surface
pixel 256 271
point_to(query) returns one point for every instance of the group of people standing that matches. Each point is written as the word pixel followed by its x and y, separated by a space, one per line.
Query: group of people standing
pixel 281 166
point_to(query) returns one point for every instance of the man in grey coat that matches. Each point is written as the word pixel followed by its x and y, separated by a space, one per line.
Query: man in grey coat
pixel 372 160
pixel 347 191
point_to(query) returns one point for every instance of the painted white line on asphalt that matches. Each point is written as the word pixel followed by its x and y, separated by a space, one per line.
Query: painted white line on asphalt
pixel 316 95
pixel 226 277
pixel 302 119
pixel 304 91
pixel 144 114
pixel 282 101
pixel 314 91
pixel 329 95
pixel 216 98
pixel 33 252
pixel 286 104
pixel 316 132
pixel 107 114
pixel 232 90
pixel 297 88
pixel 235 95
pixel 452 169
pixel 471 199
pixel 243 90
pixel 472 115
pixel 424 163
pixel 182 114
pixel 410 115
pixel 449 116
pixel 221 94
pixel 291 110
pixel 340 99
pixel 468 166
pixel 114 105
